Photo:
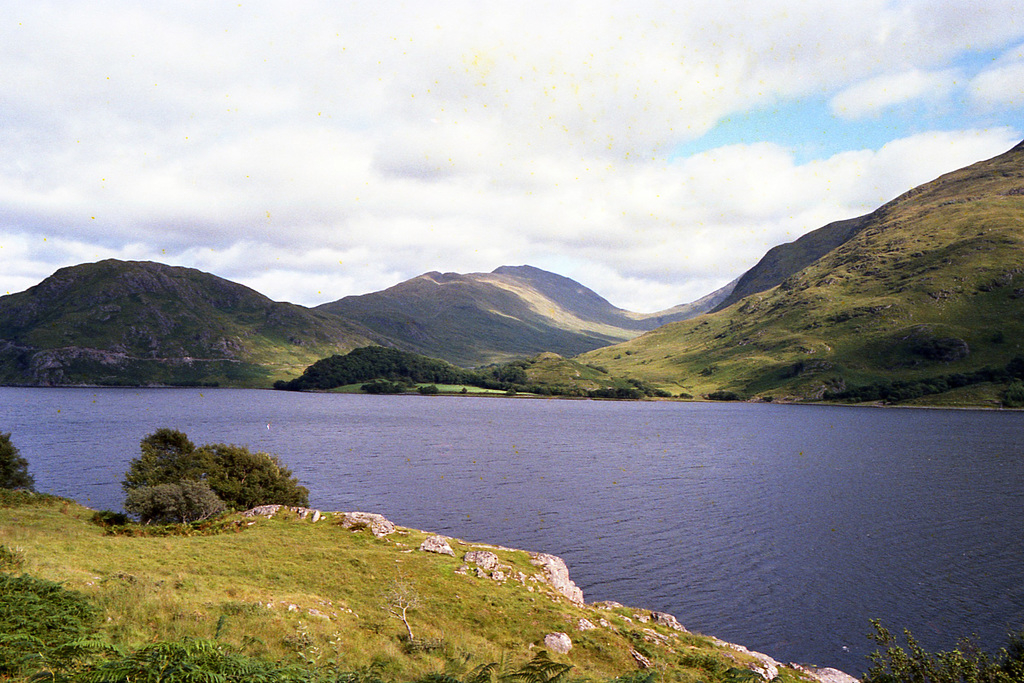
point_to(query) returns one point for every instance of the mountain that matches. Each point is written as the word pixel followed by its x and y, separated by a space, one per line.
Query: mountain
pixel 117 322
pixel 137 323
pixel 481 318
pixel 927 291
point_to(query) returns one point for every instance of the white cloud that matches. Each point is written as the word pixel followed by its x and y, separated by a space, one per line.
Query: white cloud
pixel 1001 84
pixel 875 95
pixel 267 145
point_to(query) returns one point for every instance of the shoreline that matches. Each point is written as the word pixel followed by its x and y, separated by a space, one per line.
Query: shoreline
pixel 500 395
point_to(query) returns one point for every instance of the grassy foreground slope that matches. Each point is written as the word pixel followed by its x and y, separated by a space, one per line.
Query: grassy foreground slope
pixel 932 285
pixel 309 593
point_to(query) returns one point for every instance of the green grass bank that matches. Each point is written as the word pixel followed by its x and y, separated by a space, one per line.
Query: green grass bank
pixel 323 596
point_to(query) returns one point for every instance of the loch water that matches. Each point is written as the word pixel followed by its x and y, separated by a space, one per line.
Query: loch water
pixel 780 527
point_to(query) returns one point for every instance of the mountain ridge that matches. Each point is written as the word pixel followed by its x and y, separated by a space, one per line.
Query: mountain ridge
pixel 930 286
pixel 143 322
pixel 785 260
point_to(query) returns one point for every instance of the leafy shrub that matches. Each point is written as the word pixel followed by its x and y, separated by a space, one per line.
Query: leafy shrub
pixel 108 518
pixel 1013 396
pixel 240 478
pixel 13 468
pixel 895 663
pixel 188 661
pixel 428 389
pixel 541 669
pixel 383 386
pixel 185 502
pixel 168 456
pixel 244 479
pixel 704 661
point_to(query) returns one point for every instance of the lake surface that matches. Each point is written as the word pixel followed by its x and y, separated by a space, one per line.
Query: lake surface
pixel 782 528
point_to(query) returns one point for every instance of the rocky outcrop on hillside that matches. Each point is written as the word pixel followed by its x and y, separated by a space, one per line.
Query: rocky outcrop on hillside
pixel 826 675
pixel 437 544
pixel 379 525
pixel 272 510
pixel 766 666
pixel 558 642
pixel 557 574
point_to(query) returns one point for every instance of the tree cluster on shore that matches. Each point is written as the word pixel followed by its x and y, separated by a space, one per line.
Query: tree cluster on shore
pixel 894 391
pixel 383 370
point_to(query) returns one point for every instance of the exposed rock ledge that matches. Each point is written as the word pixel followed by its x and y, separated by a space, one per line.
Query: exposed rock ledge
pixel 271 510
pixel 556 574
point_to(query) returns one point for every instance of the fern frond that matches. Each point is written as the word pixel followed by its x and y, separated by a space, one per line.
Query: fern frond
pixel 485 673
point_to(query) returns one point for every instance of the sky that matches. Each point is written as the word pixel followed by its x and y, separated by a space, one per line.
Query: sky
pixel 652 151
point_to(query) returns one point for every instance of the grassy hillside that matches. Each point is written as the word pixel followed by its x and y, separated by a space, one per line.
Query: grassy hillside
pixel 788 259
pixel 933 285
pixel 320 595
pixel 117 322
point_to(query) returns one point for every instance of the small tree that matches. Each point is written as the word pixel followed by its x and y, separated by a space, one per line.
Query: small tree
pixel 402 597
pixel 13 468
pixel 1013 396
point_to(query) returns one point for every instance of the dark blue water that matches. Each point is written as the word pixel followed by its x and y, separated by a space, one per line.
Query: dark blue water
pixel 783 528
